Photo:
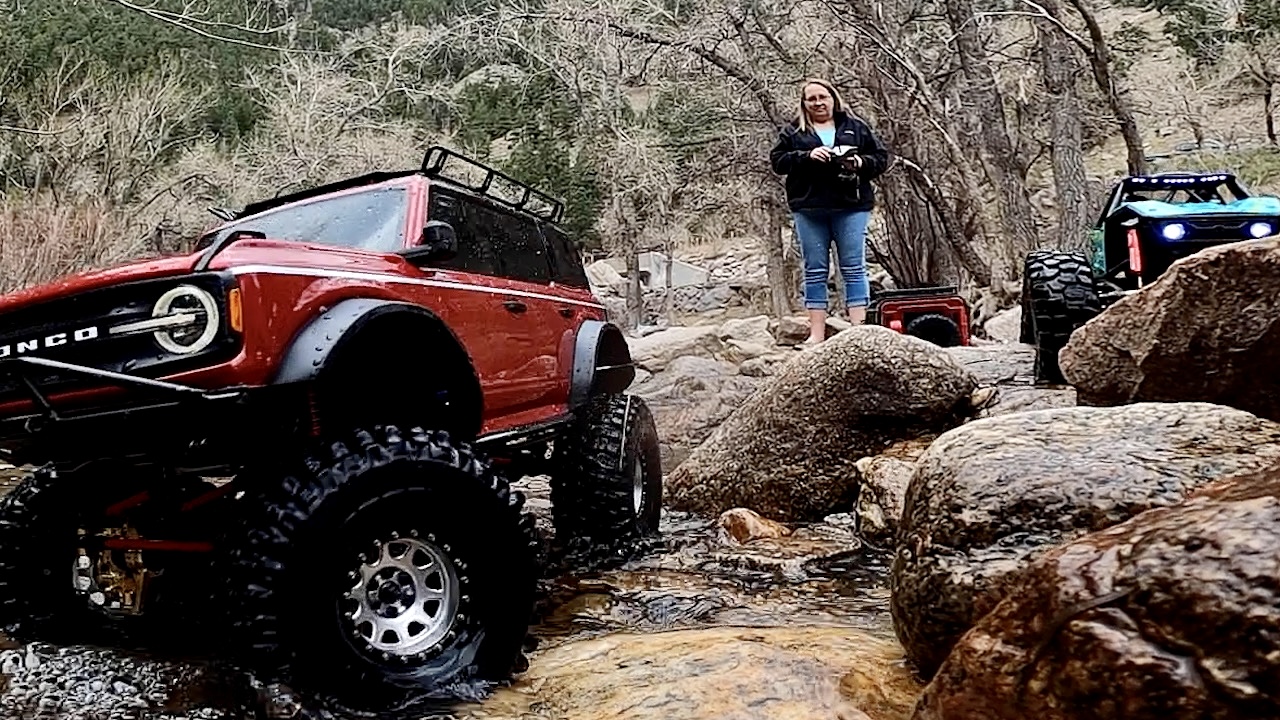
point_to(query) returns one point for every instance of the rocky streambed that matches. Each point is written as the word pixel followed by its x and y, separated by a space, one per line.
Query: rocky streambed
pixel 733 617
pixel 707 626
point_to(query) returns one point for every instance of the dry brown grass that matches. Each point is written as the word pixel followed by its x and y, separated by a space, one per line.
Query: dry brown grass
pixel 41 240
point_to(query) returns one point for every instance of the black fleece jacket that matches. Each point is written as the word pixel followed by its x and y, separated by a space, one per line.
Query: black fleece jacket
pixel 818 185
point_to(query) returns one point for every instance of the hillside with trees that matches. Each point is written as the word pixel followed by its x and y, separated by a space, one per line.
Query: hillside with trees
pixel 123 121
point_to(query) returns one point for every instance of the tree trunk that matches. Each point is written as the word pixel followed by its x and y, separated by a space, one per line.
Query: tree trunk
pixel 668 297
pixel 1058 64
pixel 780 288
pixel 1101 62
pixel 631 250
pixel 635 293
pixel 959 214
pixel 1271 120
pixel 1017 217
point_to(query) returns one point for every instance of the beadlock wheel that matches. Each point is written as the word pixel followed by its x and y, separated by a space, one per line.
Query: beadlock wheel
pixel 397 565
pixel 405 598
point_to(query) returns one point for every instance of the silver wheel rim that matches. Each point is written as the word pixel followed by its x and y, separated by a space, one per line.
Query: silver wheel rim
pixel 405 597
pixel 637 488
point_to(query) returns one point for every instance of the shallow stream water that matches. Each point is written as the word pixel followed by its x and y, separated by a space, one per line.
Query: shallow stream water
pixel 700 627
pixel 796 627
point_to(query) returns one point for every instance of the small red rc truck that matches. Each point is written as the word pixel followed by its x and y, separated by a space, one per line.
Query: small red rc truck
pixel 936 314
pixel 369 362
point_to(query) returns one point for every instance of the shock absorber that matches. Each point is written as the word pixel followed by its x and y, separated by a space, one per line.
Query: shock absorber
pixel 313 408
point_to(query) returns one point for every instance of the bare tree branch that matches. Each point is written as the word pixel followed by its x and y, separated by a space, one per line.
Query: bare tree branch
pixel 190 24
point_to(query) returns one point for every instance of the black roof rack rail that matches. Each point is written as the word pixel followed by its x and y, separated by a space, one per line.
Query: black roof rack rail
pixel 433 166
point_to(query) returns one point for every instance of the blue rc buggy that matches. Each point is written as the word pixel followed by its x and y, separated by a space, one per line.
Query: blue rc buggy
pixel 1147 224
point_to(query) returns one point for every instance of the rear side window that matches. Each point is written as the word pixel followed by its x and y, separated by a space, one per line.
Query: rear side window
pixel 565 258
pixel 520 246
pixel 367 220
pixel 491 241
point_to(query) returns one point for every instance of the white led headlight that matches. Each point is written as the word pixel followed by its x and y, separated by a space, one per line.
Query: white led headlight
pixel 184 320
pixel 1259 229
pixel 1173 231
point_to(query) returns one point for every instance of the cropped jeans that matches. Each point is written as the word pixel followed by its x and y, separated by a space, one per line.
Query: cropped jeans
pixel 817 230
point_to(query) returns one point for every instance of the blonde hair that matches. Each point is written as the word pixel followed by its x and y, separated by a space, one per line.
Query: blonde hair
pixel 837 104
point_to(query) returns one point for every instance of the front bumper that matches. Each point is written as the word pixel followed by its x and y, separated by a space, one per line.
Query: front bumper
pixel 144 415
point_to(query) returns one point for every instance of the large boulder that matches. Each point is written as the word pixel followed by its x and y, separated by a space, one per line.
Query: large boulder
pixel 1172 615
pixel 990 496
pixel 690 398
pixel 1207 330
pixel 753 330
pixel 656 351
pixel 788 452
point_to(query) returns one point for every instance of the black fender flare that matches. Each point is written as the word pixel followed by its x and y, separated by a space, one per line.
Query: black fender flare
pixel 601 362
pixel 322 338
pixel 316 346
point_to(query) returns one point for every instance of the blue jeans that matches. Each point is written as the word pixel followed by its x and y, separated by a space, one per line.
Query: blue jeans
pixel 817 230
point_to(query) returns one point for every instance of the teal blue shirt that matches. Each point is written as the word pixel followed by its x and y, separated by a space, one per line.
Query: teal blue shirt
pixel 827 135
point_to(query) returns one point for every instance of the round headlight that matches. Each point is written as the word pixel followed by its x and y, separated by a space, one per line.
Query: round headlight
pixel 1259 229
pixel 193 320
pixel 1174 231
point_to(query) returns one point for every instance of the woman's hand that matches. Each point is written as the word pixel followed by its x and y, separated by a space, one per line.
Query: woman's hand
pixel 820 153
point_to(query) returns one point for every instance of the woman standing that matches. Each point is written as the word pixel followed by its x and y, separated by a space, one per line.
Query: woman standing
pixel 830 196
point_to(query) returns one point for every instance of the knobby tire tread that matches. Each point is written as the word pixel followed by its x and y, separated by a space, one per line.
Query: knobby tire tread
pixel 1063 296
pixel 591 496
pixel 292 506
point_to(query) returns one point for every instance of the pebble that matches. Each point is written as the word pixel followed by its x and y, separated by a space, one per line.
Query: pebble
pixel 80 683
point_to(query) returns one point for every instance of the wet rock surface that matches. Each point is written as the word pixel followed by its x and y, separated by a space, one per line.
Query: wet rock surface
pixel 730 673
pixel 1009 369
pixel 819 586
pixel 788 452
pixel 882 491
pixel 741 525
pixel 689 398
pixel 1207 330
pixel 992 495
pixel 1174 614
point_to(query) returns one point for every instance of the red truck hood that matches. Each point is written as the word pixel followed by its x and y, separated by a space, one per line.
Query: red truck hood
pixel 245 252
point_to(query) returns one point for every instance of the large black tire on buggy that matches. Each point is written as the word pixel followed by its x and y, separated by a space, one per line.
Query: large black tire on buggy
pixel 395 569
pixel 1059 295
pixel 606 479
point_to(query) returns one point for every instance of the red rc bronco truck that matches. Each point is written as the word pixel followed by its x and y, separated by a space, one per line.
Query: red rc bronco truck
pixel 301 434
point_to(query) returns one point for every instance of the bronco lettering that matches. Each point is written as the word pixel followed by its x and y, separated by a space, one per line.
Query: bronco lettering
pixel 25 346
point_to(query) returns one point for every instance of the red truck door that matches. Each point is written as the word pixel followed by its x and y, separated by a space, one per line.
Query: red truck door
pixel 499 304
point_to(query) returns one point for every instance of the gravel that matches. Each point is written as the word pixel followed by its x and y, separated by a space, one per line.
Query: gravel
pixel 42 682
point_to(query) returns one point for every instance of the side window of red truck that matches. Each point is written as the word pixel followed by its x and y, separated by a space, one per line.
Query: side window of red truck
pixel 491 241
pixel 520 247
pixel 475 252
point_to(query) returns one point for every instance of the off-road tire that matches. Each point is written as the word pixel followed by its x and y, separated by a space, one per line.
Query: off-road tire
pixel 935 328
pixel 1026 335
pixel 594 479
pixel 1059 296
pixel 37 537
pixel 39 523
pixel 304 538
